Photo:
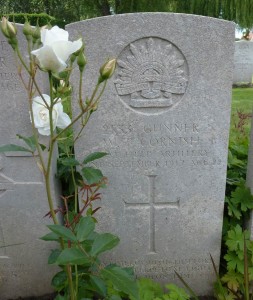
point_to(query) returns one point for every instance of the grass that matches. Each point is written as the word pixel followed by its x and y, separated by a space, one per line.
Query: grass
pixel 242 99
pixel 242 104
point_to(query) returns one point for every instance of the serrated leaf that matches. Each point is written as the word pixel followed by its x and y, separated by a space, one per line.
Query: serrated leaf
pixel 176 293
pixel 85 226
pixel 12 147
pixel 63 232
pixel 53 256
pixel 233 210
pixel 92 175
pixel 73 256
pixel 234 263
pixel 242 196
pixel 103 242
pixel 233 280
pixel 51 236
pixel 99 285
pixel 94 156
pixel 59 281
pixel 30 141
pixel 69 161
pixel 235 239
pixel 121 280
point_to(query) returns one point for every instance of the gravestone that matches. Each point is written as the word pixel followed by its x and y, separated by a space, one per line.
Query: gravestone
pixel 243 62
pixel 164 120
pixel 23 257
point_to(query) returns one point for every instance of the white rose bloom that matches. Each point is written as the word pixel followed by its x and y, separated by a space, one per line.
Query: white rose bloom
pixel 41 115
pixel 56 49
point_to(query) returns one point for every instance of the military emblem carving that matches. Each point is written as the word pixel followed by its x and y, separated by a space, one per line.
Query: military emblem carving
pixel 152 75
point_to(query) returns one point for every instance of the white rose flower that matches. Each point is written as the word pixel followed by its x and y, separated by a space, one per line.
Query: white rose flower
pixel 41 115
pixel 56 49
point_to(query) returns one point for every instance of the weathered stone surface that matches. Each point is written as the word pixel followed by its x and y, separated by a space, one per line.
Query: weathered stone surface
pixel 23 257
pixel 164 119
pixel 243 62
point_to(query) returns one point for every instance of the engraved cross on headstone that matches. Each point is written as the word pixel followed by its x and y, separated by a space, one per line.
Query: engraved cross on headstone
pixel 152 205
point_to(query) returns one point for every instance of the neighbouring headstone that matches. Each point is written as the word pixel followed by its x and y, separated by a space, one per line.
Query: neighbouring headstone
pixel 23 203
pixel 243 62
pixel 164 120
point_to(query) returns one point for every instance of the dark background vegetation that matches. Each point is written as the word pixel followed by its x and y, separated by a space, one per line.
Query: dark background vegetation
pixel 67 11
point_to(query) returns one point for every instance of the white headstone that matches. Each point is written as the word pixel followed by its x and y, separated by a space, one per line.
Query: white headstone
pixel 164 120
pixel 23 203
pixel 243 62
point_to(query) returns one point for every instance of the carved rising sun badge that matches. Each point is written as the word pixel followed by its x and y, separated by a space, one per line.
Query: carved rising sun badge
pixel 152 75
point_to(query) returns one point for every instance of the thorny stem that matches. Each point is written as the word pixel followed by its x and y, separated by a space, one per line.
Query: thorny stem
pixel 87 117
pixel 31 74
pixel 48 187
pixel 51 149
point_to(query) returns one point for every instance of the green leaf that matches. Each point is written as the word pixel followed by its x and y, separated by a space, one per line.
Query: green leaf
pixel 92 175
pixel 121 280
pixel 233 210
pixel 177 293
pixel 73 256
pixel 53 256
pixel 234 263
pixel 59 281
pixel 63 232
pixel 233 280
pixel 42 146
pixel 149 289
pixel 69 161
pixel 59 297
pixel 104 242
pixel 243 197
pixel 51 236
pixel 235 239
pixel 30 141
pixel 12 147
pixel 99 285
pixel 85 226
pixel 115 297
pixel 94 156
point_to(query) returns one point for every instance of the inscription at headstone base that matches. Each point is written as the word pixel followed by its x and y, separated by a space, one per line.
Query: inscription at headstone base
pixel 24 271
pixel 243 62
pixel 164 120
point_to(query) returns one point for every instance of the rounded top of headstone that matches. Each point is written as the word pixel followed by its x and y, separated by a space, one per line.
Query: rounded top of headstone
pixel 155 14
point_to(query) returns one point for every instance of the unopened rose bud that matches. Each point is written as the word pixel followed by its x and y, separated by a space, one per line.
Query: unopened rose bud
pixel 27 30
pixel 107 70
pixel 36 34
pixel 79 50
pixel 11 29
pixel 4 27
pixel 72 58
pixel 81 61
